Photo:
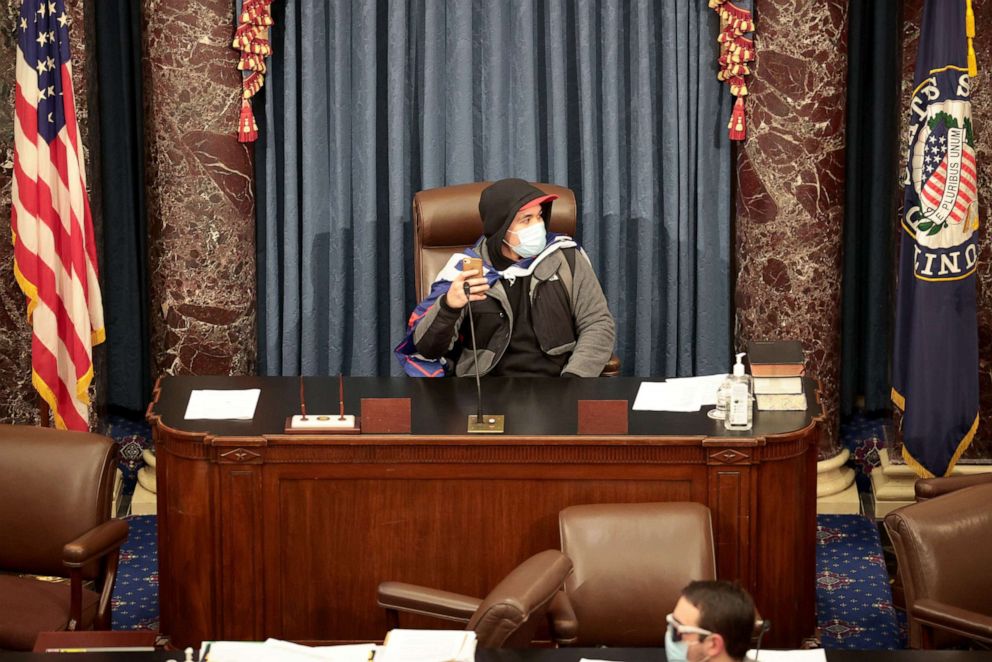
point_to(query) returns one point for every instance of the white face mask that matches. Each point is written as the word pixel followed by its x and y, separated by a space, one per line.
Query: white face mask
pixel 533 239
pixel 678 651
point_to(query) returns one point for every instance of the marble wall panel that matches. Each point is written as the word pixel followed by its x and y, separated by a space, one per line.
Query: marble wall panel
pixel 200 192
pixel 18 400
pixel 981 108
pixel 790 188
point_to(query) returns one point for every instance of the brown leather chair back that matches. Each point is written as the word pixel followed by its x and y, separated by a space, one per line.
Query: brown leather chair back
pixel 511 613
pixel 929 488
pixel 942 546
pixel 446 220
pixel 54 486
pixel 631 562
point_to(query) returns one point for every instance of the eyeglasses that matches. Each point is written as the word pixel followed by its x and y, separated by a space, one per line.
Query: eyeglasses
pixel 678 629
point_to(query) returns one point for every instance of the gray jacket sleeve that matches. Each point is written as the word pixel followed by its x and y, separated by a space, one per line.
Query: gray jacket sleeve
pixel 437 332
pixel 594 324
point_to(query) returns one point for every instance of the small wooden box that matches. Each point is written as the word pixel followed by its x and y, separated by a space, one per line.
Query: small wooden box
pixel 602 417
pixel 386 415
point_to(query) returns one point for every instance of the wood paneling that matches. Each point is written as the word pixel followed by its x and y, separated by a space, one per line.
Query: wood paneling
pixel 288 536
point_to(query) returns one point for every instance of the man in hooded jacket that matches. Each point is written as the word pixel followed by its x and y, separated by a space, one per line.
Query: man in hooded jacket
pixel 538 308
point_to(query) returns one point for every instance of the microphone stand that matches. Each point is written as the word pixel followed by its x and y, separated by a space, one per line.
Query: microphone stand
pixel 479 424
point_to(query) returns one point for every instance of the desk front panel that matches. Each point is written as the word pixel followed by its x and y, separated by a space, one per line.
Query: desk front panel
pixel 284 536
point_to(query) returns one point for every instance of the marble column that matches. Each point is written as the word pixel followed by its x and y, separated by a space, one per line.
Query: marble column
pixel 790 189
pixel 18 399
pixel 200 192
pixel 981 109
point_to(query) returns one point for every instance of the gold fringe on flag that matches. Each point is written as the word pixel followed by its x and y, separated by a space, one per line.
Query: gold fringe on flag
pixel 251 37
pixel 970 32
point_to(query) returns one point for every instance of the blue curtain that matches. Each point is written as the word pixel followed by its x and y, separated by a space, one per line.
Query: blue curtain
pixel 367 102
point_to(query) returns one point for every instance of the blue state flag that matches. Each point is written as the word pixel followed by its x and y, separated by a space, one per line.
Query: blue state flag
pixel 935 362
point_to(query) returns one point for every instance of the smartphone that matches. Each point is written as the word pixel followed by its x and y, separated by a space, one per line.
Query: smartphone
pixel 472 264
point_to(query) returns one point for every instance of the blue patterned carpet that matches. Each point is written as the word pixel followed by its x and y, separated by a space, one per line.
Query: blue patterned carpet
pixel 135 599
pixel 853 599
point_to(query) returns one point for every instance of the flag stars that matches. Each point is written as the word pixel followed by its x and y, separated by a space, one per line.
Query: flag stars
pixel 51 8
pixel 42 38
pixel 24 24
pixel 63 20
pixel 42 67
pixel 42 8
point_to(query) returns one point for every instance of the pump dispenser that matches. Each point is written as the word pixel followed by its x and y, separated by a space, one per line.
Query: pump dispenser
pixel 740 409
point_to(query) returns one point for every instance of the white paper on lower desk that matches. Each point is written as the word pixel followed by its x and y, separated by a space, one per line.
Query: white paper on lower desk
pixel 811 655
pixel 682 394
pixel 427 646
pixel 231 405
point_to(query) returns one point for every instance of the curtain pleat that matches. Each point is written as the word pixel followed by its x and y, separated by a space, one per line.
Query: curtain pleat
pixel 369 102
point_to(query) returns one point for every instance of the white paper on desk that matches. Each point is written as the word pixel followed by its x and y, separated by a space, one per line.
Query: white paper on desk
pixel 231 405
pixel 287 650
pixel 428 646
pixel 704 387
pixel 682 394
pixel 811 655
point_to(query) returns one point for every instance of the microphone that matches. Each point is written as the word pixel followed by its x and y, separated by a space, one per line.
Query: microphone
pixel 479 424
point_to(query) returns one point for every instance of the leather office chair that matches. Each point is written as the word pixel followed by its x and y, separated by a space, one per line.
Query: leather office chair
pixel 929 488
pixel 55 499
pixel 632 561
pixel 446 221
pixel 942 546
pixel 507 617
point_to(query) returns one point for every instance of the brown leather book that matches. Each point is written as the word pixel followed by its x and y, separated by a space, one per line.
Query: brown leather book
pixel 776 358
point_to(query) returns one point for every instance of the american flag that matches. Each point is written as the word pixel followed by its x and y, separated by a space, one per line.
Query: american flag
pixel 935 165
pixel 54 252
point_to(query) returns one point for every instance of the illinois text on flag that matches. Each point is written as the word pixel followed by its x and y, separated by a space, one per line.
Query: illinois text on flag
pixel 54 252
pixel 935 362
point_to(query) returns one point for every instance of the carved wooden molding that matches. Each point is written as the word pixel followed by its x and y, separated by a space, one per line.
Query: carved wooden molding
pixel 188 449
pixel 428 454
pixel 729 456
pixel 240 456
pixel 785 450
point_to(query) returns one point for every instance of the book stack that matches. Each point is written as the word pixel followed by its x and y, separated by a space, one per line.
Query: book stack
pixel 777 368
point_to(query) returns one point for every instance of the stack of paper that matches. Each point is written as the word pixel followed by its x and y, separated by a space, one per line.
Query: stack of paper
pixel 682 394
pixel 275 650
pixel 427 646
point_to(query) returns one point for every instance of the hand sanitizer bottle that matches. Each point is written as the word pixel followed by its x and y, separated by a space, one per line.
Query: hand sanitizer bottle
pixel 740 411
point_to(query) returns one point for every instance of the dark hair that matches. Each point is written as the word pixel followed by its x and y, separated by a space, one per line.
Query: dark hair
pixel 725 609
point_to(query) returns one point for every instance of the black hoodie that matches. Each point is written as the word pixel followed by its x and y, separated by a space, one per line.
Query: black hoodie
pixel 498 204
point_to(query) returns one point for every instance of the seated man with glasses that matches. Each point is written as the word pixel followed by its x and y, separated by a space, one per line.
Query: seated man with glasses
pixel 712 622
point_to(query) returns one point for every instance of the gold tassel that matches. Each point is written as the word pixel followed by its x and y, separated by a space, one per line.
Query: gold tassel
pixel 736 125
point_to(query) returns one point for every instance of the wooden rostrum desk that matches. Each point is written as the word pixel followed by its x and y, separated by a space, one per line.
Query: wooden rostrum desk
pixel 263 534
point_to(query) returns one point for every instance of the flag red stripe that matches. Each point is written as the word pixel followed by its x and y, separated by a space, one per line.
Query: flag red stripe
pixel 73 136
pixel 45 364
pixel 41 275
pixel 39 206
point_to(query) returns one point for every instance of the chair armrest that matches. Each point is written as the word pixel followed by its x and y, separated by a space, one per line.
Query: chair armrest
pixel 964 622
pixel 564 624
pixel 928 488
pixel 95 543
pixel 612 367
pixel 415 599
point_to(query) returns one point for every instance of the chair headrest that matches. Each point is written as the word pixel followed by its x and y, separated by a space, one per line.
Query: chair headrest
pixel 449 216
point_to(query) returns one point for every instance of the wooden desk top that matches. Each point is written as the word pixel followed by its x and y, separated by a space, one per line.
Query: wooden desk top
pixel 534 407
